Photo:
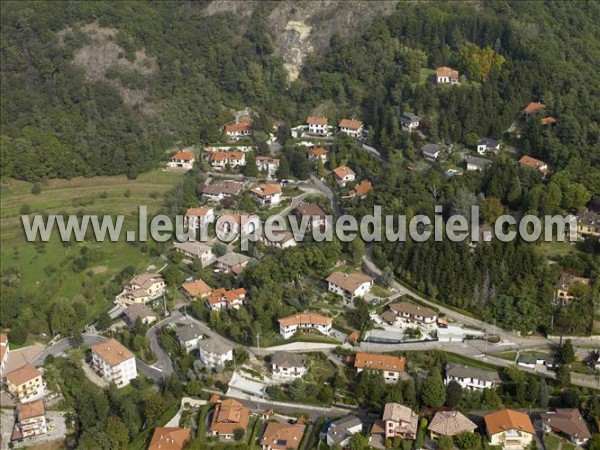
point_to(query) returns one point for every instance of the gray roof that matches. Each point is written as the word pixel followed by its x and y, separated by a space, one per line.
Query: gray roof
pixel 479 162
pixel 408 117
pixel 488 142
pixel 285 359
pixel 194 247
pixel 138 310
pixel 430 149
pixel 187 332
pixel 214 346
pixel 232 259
pixel 338 430
pixel 460 371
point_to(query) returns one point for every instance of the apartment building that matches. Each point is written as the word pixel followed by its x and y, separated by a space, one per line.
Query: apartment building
pixel 114 363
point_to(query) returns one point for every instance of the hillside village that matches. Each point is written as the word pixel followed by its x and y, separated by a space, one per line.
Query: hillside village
pixel 355 308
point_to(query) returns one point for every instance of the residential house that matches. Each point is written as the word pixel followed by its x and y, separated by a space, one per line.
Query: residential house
pixel 233 262
pixel 228 148
pixel 112 361
pixel 567 423
pixel 532 359
pixel 170 438
pixel 450 423
pixel 409 121
pixel 352 127
pixel 316 216
pixel 471 378
pixel 195 250
pixel 188 336
pixel 288 366
pixel 431 151
pixel 268 165
pixel 474 163
pixel 548 121
pixel 349 285
pixel 196 218
pixel 229 415
pixel 222 160
pixel 197 289
pixel 409 313
pixel 30 420
pixel 533 108
pixel 4 350
pixel 536 164
pixel 343 175
pixel 588 224
pixel 220 190
pixel 361 189
pixel 288 326
pixel 511 430
pixel 562 289
pixel 224 299
pixel 280 239
pixel 317 126
pixel 400 421
pixel 25 383
pixel 282 436
pixel 446 75
pixel 139 311
pixel 182 160
pixel 317 153
pixel 214 352
pixel 142 289
pixel 238 131
pixel 341 431
pixel 488 145
pixel 268 194
pixel 236 224
pixel 390 366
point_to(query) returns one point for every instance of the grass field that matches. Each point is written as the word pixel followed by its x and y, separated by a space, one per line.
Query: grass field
pixel 45 271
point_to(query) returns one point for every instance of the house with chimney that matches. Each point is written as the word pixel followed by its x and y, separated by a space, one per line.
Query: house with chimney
pixel 267 165
pixel 567 423
pixel 390 366
pixel 232 263
pixel 351 127
pixel 411 314
pixel 399 421
pixel 238 131
pixel 113 362
pixel 349 285
pixel 288 326
pixel 339 432
pixel 220 190
pixel 170 438
pixel 446 75
pixel 562 289
pixel 142 289
pixel 509 429
pixel 223 299
pixel 343 175
pixel 268 194
pixel 30 421
pixel 288 366
pixel 183 160
pixel 471 378
pixel 282 436
pixel 229 415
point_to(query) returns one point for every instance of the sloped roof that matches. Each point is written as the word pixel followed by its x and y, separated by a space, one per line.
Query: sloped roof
pixel 362 188
pixel 23 375
pixel 567 421
pixel 462 371
pixel 446 72
pixel 196 288
pixel 30 410
pixel 282 436
pixel 184 155
pixel 197 212
pixel 351 123
pixel 411 308
pixel 112 351
pixel 507 419
pixel 311 210
pixel 237 127
pixel 378 361
pixel 533 163
pixel 343 171
pixel 287 359
pixel 266 189
pixel 223 156
pixel 169 438
pixel 349 281
pixel 305 318
pixel 316 120
pixel 318 151
pixel 450 423
pixel 228 416
pixel 534 107
pixel 139 310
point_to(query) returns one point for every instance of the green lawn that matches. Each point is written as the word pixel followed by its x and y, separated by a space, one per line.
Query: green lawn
pixel 509 356
pixel 554 249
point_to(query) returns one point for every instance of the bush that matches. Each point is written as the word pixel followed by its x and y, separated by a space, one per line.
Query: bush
pixel 36 189
pixel 238 434
pixel 25 210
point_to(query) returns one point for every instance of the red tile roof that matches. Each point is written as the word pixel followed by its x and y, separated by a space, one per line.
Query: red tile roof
pixel 305 318
pixel 23 375
pixel 237 127
pixel 318 151
pixel 533 163
pixel 196 288
pixel 112 351
pixel 507 419
pixel 361 189
pixel 316 120
pixel 343 171
pixel 183 155
pixel 350 123
pixel 548 121
pixel 222 156
pixel 534 107
pixel 388 363
pixel 169 438
pixel 446 72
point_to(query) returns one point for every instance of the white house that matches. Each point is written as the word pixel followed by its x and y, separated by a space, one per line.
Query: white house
pixel 220 190
pixel 390 366
pixel 511 430
pixel 142 289
pixel 316 216
pixel 223 299
pixel 196 218
pixel 567 423
pixel 317 126
pixel 233 262
pixel 280 239
pixel 343 175
pixel 188 335
pixel 221 160
pixel 431 151
pixel 317 153
pixel 141 312
pixel 349 285
pixel 214 353
pixel 288 326
pixel 409 313
pixel 341 431
pixel 446 75
pixel 30 421
pixel 182 160
pixel 268 194
pixel 288 366
pixel 238 131
pixel 487 145
pixel 471 378
pixel 114 363
pixel 400 421
pixel 351 127
pixel 409 121
pixel 474 163
pixel 268 165
pixel 195 250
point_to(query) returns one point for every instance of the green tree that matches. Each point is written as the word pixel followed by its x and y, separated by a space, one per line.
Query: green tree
pixel 153 408
pixel 445 443
pixel 467 440
pixel 409 393
pixel 238 434
pixel 250 169
pixel 359 442
pixel 454 394
pixel 566 352
pixel 563 376
pixel 433 392
pixel 283 173
pixel 117 432
pixel 543 397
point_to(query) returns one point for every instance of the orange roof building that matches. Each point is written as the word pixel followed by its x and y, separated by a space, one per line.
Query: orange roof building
pixel 114 362
pixel 224 299
pixel 196 289
pixel 361 189
pixel 351 124
pixel 446 75
pixel 24 382
pixel 312 120
pixel 390 365
pixel 318 153
pixel 288 326
pixel 548 121
pixel 236 128
pixel 508 425
pixel 170 438
pixel 533 108
pixel 229 415
pixel 343 175
pixel 31 420
pixel 532 163
pixel 183 156
pixel 282 436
